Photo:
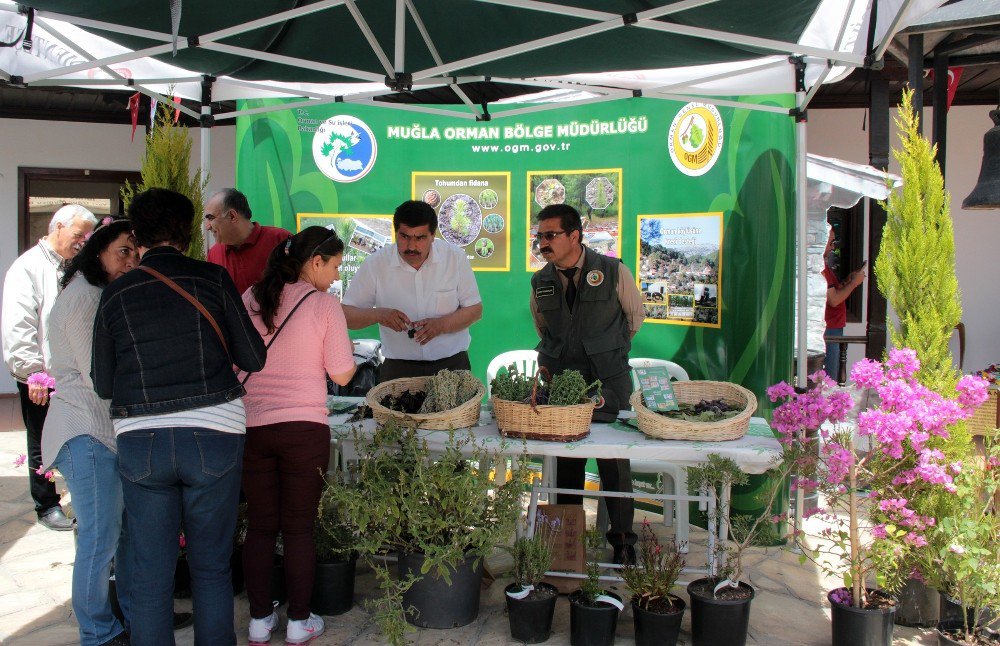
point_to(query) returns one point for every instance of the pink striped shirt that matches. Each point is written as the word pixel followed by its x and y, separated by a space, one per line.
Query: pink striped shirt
pixel 314 343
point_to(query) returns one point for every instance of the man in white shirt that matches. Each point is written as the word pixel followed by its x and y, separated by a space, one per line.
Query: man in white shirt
pixel 422 293
pixel 29 291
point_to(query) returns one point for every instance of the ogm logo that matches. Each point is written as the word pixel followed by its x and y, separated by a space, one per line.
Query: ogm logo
pixel 695 138
pixel 344 148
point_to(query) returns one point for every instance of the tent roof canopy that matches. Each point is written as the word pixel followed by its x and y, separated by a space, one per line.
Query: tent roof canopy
pixel 355 50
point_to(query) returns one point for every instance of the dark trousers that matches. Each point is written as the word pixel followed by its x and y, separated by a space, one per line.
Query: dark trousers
pixel 43 492
pixel 398 368
pixel 283 466
pixel 616 475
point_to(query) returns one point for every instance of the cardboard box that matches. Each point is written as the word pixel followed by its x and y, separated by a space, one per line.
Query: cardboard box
pixel 568 553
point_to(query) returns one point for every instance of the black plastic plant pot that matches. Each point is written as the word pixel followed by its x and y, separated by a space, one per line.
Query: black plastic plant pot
pixel 438 604
pixel 657 628
pixel 333 589
pixel 718 622
pixel 861 626
pixel 531 617
pixel 592 625
pixel 951 610
pixel 949 634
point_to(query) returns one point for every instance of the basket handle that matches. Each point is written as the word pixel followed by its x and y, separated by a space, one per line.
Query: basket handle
pixel 543 371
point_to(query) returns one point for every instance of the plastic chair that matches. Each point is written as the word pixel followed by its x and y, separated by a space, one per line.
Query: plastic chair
pixel 674 478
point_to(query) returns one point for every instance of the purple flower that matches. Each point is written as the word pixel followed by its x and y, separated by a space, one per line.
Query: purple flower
pixel 972 391
pixel 780 390
pixel 902 363
pixel 867 373
pixel 20 459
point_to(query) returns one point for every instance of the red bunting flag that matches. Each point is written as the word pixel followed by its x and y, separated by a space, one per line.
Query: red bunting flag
pixel 954 76
pixel 177 113
pixel 133 108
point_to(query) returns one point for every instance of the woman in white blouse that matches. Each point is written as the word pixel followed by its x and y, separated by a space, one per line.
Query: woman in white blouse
pixel 78 438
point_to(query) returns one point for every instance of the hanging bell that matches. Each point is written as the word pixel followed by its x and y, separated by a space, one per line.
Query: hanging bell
pixel 986 194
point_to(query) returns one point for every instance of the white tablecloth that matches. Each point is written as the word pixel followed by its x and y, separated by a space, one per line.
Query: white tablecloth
pixel 755 452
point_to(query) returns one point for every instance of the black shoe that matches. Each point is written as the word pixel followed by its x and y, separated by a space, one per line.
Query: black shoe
pixel 56 519
pixel 183 620
pixel 624 554
pixel 121 639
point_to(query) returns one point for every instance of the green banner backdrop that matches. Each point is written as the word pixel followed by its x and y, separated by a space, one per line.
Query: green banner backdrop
pixel 720 302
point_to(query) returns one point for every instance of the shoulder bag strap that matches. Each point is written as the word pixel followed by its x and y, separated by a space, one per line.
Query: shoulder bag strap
pixel 280 328
pixel 191 299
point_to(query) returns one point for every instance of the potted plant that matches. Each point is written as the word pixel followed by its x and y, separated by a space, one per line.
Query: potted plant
pixel 656 613
pixel 720 605
pixel 336 560
pixel 962 558
pixel 593 611
pixel 880 536
pixel 530 602
pixel 441 516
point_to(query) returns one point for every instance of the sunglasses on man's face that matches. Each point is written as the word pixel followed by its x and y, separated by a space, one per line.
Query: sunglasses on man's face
pixel 548 235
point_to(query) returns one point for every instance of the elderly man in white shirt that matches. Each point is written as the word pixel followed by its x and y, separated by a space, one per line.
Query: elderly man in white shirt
pixel 422 293
pixel 29 291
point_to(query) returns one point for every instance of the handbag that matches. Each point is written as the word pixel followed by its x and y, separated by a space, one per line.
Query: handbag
pixel 191 299
pixel 280 328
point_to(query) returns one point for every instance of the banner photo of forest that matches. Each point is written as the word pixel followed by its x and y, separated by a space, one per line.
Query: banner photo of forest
pixel 596 194
pixel 680 268
pixel 363 235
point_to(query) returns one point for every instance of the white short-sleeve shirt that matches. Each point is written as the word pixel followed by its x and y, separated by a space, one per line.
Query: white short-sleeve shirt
pixel 443 284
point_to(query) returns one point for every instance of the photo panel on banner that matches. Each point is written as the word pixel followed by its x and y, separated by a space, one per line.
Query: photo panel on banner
pixel 473 213
pixel 596 194
pixel 363 235
pixel 679 264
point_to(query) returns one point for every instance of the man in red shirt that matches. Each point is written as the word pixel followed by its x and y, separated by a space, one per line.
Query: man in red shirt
pixel 242 246
pixel 836 306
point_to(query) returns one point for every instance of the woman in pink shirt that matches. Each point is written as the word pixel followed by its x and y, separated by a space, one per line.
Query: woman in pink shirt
pixel 288 436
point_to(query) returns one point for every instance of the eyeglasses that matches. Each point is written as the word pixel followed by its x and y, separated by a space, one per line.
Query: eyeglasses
pixel 548 235
pixel 315 251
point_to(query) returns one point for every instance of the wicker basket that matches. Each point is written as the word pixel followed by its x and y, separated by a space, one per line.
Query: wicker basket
pixel 984 420
pixel 464 416
pixel 549 423
pixel 691 392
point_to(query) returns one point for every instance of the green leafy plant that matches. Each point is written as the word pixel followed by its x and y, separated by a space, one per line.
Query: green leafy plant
pixel 511 385
pixel 591 588
pixel 743 530
pixel 400 499
pixel 166 163
pixel 963 546
pixel 533 554
pixel 334 536
pixel 652 578
pixel 569 387
pixel 460 220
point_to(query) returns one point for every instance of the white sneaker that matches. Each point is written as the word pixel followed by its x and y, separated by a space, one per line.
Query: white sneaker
pixel 304 630
pixel 261 629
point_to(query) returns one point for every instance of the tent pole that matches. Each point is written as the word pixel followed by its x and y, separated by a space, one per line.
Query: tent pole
pixel 205 128
pixel 802 266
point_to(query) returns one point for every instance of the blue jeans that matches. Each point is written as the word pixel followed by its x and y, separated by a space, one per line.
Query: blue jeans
pixel 832 362
pixel 91 473
pixel 170 475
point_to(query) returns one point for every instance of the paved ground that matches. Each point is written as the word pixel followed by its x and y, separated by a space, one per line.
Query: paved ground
pixel 36 566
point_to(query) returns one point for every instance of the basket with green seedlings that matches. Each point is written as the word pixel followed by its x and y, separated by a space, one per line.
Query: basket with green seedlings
pixel 544 407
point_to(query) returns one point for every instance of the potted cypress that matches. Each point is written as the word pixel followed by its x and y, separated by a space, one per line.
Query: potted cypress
pixel 441 516
pixel 593 611
pixel 531 603
pixel 656 613
pixel 336 560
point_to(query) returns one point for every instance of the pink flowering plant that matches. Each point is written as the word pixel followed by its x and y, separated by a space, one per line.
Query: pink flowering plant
pixel 652 578
pixel 880 530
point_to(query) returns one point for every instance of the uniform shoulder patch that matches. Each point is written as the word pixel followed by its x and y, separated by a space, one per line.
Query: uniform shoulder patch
pixel 547 290
pixel 595 277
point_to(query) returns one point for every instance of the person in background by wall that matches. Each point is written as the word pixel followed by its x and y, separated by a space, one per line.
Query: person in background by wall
pixel 288 433
pixel 586 308
pixel 79 439
pixel 836 306
pixel 242 246
pixel 29 293
pixel 422 293
pixel 166 337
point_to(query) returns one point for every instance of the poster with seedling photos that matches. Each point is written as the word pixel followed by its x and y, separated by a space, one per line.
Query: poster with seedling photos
pixel 363 235
pixel 473 212
pixel 595 194
pixel 680 268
